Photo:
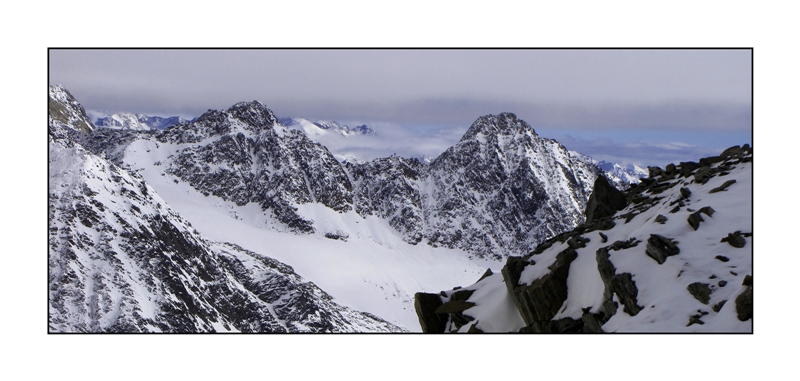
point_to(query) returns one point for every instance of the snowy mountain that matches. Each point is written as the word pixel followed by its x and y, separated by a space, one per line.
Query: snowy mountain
pixel 137 122
pixel 672 254
pixel 502 189
pixel 122 260
pixel 246 156
pixel 325 127
pixel 621 176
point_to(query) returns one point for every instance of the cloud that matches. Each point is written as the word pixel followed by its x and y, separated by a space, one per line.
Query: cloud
pixel 647 152
pixel 392 139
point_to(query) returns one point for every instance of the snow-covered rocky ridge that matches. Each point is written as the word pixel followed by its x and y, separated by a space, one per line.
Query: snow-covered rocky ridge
pixel 672 254
pixel 137 122
pixel 501 189
pixel 122 260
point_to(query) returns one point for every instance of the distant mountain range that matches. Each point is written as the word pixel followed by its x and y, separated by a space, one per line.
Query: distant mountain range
pixel 324 127
pixel 137 122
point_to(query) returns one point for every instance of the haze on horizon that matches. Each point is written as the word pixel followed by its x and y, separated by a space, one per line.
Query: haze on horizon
pixel 644 107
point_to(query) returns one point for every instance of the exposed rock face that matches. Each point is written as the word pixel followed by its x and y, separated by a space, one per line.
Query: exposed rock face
pixel 64 111
pixel 620 284
pixel 390 188
pixel 426 306
pixel 541 299
pixel 503 188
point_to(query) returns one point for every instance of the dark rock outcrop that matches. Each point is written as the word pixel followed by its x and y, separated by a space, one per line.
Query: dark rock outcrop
pixel 700 291
pixel 426 305
pixel 744 304
pixel 620 284
pixel 735 239
pixel 660 247
pixel 722 187
pixel 695 218
pixel 604 201
pixel 540 300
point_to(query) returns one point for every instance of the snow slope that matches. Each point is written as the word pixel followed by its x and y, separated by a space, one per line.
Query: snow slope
pixel 370 269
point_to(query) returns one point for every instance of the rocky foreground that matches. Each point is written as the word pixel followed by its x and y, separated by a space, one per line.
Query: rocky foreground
pixel 672 254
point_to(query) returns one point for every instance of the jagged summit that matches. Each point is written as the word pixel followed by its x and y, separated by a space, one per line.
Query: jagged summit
pixel 505 123
pixel 254 113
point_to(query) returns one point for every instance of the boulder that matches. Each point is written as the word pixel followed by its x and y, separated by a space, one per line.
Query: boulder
pixel 660 247
pixel 695 219
pixel 661 219
pixel 685 192
pixel 733 152
pixel 722 187
pixel 604 201
pixel 702 175
pixel 744 304
pixel 654 171
pixel 700 291
pixel 708 161
pixel 735 239
pixel 687 167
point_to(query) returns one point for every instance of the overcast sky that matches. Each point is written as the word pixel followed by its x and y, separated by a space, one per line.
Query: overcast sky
pixel 647 107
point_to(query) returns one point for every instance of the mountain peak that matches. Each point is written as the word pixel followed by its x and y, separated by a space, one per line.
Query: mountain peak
pixel 254 113
pixel 505 123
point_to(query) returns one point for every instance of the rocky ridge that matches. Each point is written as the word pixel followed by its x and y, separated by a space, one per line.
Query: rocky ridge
pixel 675 256
pixel 534 187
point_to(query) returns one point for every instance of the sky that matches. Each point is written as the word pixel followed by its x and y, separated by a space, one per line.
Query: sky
pixel 644 107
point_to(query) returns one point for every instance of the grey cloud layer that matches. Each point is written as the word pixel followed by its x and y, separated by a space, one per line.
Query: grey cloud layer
pixel 192 81
pixel 434 93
